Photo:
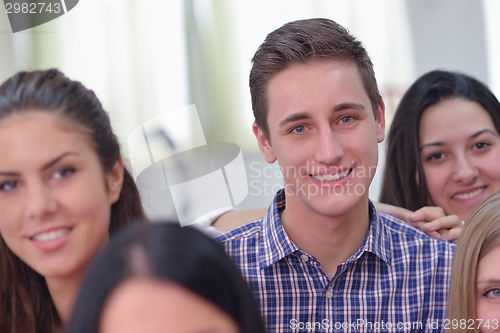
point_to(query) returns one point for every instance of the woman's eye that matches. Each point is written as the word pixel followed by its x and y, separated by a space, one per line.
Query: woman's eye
pixel 299 129
pixel 346 120
pixel 8 186
pixel 481 145
pixel 435 156
pixel 64 173
pixel 493 293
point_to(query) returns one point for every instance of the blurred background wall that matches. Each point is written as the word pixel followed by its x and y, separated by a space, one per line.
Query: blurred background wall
pixel 147 57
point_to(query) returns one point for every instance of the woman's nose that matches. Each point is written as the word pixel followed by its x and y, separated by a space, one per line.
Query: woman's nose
pixel 464 171
pixel 40 202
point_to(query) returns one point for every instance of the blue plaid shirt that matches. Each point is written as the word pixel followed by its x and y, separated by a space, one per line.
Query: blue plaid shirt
pixel 397 281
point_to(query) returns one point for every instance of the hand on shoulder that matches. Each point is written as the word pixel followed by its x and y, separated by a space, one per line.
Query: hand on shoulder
pixel 431 220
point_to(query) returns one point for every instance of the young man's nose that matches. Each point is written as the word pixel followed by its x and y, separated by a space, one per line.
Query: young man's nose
pixel 464 170
pixel 328 149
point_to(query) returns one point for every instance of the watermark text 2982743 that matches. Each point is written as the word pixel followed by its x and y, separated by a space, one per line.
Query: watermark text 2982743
pixel 26 14
pixel 32 8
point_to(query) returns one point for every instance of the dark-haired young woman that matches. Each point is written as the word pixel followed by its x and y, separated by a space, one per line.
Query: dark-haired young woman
pixel 63 192
pixel 443 148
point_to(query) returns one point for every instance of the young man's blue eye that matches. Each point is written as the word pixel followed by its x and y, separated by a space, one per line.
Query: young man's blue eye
pixel 299 129
pixel 346 120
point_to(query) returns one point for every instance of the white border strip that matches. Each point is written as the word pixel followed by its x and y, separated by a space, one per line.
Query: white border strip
pixel 64 6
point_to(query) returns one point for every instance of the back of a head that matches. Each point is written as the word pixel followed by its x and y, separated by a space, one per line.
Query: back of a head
pixel 302 42
pixel 166 252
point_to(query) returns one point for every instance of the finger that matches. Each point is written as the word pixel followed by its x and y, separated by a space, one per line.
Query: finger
pixel 422 227
pixel 447 222
pixel 451 235
pixel 427 214
pixel 434 234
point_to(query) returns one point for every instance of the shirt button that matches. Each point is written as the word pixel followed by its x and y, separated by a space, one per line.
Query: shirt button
pixel 304 257
pixel 329 293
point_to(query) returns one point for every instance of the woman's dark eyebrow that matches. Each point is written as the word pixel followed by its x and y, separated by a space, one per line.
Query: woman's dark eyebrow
pixel 57 159
pixel 432 144
pixel 473 136
pixel 45 167
pixel 9 174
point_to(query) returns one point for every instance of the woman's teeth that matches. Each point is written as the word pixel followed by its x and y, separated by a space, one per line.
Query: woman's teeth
pixel 51 235
pixel 465 196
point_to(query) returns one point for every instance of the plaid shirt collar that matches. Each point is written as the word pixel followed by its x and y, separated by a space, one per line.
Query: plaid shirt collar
pixel 276 245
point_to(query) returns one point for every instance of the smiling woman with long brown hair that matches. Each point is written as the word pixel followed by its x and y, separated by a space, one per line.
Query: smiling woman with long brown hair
pixel 63 192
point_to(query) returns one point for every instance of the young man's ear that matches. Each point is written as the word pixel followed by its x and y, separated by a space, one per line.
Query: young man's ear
pixel 380 120
pixel 115 181
pixel 264 145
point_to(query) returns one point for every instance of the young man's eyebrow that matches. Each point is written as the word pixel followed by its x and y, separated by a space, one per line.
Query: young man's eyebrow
pixel 473 136
pixel 346 106
pixel 294 117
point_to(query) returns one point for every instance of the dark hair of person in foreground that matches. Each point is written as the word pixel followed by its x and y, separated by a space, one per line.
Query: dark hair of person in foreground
pixel 169 253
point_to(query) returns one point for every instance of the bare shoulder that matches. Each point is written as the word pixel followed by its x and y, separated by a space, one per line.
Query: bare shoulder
pixel 235 219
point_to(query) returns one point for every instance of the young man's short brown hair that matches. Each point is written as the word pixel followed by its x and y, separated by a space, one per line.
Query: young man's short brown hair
pixel 301 42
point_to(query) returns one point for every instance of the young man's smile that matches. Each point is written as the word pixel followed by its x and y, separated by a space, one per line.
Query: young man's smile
pixel 335 175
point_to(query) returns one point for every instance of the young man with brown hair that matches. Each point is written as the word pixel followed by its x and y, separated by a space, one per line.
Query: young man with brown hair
pixel 322 258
